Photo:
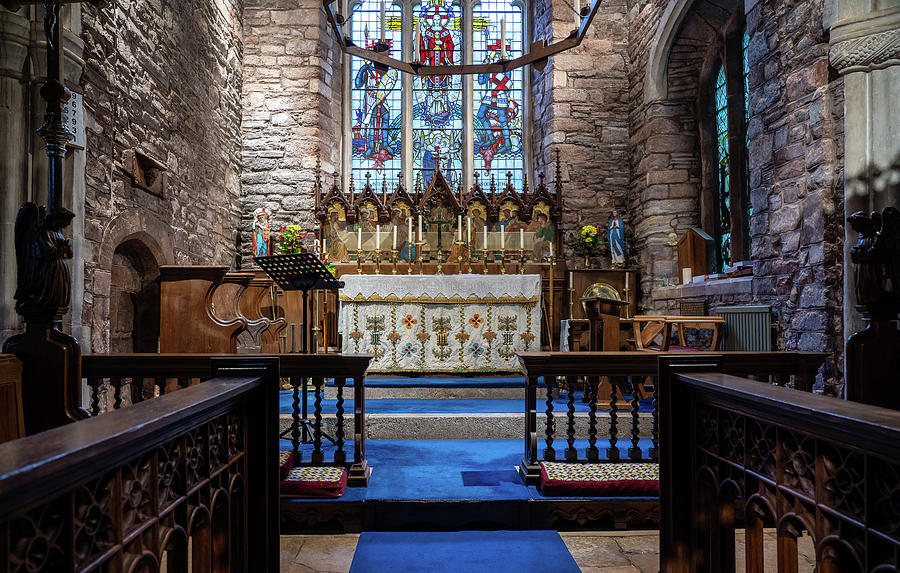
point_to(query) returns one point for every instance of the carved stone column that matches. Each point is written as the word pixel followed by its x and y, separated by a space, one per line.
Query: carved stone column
pixel 865 49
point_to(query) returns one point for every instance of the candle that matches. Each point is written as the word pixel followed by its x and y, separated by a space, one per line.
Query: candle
pixel 359 239
pixel 626 280
pixel 551 250
pixel 420 228
pixel 377 237
pixel 409 235
pixel 502 41
pixel 383 23
pixel 484 233
pixel 522 239
pixel 469 230
pixel 571 280
pixel 459 228
pixel 502 238
pixel 394 247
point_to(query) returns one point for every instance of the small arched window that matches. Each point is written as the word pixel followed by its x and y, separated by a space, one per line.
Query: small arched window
pixel 730 205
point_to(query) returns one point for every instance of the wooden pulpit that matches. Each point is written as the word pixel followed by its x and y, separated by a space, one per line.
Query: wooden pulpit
pixel 604 314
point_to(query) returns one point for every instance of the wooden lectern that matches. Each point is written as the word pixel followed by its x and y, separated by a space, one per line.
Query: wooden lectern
pixel 604 314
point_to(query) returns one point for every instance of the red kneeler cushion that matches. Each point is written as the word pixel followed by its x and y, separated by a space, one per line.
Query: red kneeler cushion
pixel 285 462
pixel 599 479
pixel 323 481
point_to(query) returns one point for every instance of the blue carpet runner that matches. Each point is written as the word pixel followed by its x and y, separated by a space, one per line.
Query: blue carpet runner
pixel 475 551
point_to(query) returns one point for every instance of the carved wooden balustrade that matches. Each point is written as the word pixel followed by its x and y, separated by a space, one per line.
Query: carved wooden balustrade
pixel 608 377
pixel 133 378
pixel 753 455
pixel 185 482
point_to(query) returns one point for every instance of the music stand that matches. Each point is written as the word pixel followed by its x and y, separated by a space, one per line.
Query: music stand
pixel 303 272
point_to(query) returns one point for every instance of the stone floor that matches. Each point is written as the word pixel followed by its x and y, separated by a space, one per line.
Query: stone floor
pixel 594 552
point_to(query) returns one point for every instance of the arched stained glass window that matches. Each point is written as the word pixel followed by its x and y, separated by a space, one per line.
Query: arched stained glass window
pixel 723 197
pixel 437 100
pixel 403 124
pixel 498 102
pixel 376 100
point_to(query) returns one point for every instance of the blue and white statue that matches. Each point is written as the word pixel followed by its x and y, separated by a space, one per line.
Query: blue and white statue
pixel 615 234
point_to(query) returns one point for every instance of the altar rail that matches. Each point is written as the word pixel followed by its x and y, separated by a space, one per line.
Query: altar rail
pixel 189 480
pixel 756 455
pixel 133 378
pixel 611 368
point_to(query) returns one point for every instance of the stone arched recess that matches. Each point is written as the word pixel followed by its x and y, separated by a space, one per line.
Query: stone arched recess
pixel 141 235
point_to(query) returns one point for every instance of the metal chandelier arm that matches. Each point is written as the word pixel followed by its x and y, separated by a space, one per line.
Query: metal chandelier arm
pixel 537 56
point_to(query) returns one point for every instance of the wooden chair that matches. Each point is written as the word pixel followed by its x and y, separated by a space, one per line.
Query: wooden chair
pixel 648 328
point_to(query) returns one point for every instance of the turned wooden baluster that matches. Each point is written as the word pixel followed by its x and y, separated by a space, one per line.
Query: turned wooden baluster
pixel 612 452
pixel 116 383
pixel 339 456
pixel 634 452
pixel 549 451
pixel 184 381
pixel 137 389
pixel 593 454
pixel 571 451
pixel 94 384
pixel 161 383
pixel 296 382
pixel 317 456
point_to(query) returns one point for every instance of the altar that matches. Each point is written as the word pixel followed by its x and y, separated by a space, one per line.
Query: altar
pixel 441 323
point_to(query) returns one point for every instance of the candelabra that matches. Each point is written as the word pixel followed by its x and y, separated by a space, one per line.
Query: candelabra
pixel 502 260
pixel 359 257
pixel 378 260
pixel 394 261
pixel 421 255
pixel 522 262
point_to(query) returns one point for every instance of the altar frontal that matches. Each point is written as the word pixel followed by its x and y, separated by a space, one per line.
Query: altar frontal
pixel 441 323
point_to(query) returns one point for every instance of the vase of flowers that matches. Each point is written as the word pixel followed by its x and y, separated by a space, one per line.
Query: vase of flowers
pixel 586 243
pixel 290 240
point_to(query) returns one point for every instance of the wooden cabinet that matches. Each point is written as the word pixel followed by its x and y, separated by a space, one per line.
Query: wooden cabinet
pixel 12 419
pixel 601 282
pixel 696 251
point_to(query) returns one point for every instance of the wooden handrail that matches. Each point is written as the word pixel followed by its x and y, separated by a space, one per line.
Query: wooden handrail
pixel 197 365
pixel 124 488
pixel 803 463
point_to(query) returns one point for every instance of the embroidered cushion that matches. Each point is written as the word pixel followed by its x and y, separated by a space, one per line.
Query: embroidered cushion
pixel 308 481
pixel 561 478
pixel 285 462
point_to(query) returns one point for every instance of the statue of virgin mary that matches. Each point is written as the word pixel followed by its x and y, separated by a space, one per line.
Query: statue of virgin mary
pixel 615 234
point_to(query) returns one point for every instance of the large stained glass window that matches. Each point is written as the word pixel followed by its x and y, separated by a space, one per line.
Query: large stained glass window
pixel 437 100
pixel 497 101
pixel 723 197
pixel 376 111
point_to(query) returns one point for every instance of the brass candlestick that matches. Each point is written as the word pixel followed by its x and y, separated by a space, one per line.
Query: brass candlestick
pixel 459 256
pixel 552 260
pixel 410 257
pixel 484 255
pixel 502 261
pixel 394 260
pixel 469 258
pixel 420 255
pixel 522 262
pixel 625 292
pixel 359 255
pixel 378 261
pixel 571 301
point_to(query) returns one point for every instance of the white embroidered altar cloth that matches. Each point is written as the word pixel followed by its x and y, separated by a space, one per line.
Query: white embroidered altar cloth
pixel 441 323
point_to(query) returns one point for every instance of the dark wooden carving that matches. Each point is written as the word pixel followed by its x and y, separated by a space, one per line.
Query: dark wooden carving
pixel 767 456
pixel 873 354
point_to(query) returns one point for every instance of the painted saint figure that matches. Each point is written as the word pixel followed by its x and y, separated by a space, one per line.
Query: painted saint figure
pixel 616 237
pixel 495 112
pixel 261 233
pixel 374 116
pixel 436 47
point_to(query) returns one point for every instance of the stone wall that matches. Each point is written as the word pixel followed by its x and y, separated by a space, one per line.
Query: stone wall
pixel 165 79
pixel 581 108
pixel 291 110
pixel 795 156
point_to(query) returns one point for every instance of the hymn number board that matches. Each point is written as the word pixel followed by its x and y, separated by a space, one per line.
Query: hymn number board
pixel 73 119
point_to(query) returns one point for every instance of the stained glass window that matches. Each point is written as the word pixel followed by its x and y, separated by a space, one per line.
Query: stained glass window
pixel 497 101
pixel 376 116
pixel 723 197
pixel 437 100
pixel 745 61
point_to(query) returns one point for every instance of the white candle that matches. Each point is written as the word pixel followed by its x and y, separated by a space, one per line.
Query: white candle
pixel 377 237
pixel 394 247
pixel 522 239
pixel 571 280
pixel 383 23
pixel 626 280
pixel 409 236
pixel 502 238
pixel 359 239
pixel 468 230
pixel 459 228
pixel 502 41
pixel 551 250
pixel 484 235
pixel 420 228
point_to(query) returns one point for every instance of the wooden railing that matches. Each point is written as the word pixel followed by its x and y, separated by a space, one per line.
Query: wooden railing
pixel 753 455
pixel 132 378
pixel 185 482
pixel 618 373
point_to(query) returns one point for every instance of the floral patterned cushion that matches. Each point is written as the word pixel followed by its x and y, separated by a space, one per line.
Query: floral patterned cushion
pixel 569 478
pixel 318 481
pixel 285 462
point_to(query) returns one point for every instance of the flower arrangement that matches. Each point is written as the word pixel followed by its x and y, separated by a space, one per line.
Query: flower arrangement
pixel 587 242
pixel 290 240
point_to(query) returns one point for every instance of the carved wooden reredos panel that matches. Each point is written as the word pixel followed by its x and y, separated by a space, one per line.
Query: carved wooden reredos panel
pixel 350 218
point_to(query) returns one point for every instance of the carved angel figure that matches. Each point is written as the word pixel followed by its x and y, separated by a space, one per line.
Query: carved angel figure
pixel 877 256
pixel 41 253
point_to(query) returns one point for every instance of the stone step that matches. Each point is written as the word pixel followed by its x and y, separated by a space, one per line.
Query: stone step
pixel 477 426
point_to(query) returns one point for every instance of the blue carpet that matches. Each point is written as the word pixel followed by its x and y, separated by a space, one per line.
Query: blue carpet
pixel 449 469
pixel 476 551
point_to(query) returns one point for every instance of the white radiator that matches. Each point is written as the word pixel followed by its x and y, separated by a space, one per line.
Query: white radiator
pixel 747 328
